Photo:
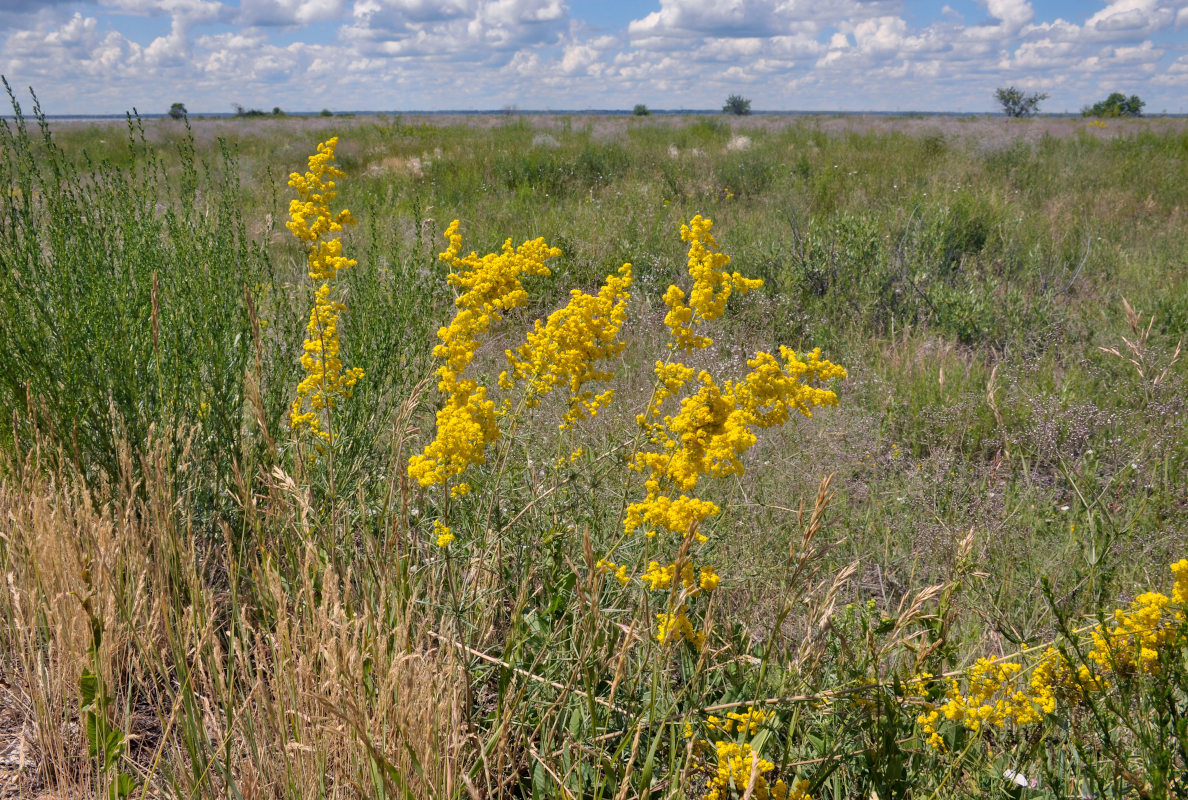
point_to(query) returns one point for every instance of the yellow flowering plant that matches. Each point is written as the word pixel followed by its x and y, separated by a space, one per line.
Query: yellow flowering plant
pixel 1021 691
pixel 706 433
pixel 729 759
pixel 562 351
pixel 693 427
pixel 712 426
pixel 315 223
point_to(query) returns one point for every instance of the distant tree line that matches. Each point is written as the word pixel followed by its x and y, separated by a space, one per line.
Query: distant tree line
pixel 1014 103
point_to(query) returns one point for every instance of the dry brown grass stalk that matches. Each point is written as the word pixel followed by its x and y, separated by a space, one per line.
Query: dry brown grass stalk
pixel 296 690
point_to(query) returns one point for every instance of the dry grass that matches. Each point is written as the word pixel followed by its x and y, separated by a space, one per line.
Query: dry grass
pixel 301 692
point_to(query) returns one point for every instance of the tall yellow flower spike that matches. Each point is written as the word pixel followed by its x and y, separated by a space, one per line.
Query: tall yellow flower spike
pixel 312 221
pixel 712 287
pixel 490 286
pixel 713 426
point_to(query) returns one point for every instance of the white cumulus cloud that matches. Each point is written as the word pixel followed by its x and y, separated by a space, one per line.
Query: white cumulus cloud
pixel 876 54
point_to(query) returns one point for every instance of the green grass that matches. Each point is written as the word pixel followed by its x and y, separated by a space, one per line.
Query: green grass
pixel 268 631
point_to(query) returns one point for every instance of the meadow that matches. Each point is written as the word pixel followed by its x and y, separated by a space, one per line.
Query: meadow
pixel 960 576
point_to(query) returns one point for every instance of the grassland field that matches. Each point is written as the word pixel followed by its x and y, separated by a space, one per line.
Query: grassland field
pixel 198 603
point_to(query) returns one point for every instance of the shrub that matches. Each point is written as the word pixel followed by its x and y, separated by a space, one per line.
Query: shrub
pixel 1015 103
pixel 177 111
pixel 1116 105
pixel 155 362
pixel 240 111
pixel 640 110
pixel 327 113
pixel 737 104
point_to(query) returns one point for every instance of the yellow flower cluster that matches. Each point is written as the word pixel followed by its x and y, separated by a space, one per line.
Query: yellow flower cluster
pixel 714 423
pixel 736 761
pixel 564 349
pixel 619 571
pixel 443 533
pixel 999 692
pixel 311 220
pixel 310 217
pixel 1180 587
pixel 991 698
pixel 675 627
pixel 928 722
pixel 1138 635
pixel 747 722
pixel 712 287
pixel 489 287
pixel 565 461
pixel 657 577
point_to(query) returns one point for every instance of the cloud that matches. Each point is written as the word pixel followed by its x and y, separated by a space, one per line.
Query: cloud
pixel 289 12
pixel 1011 14
pixel 1119 21
pixel 20 15
pixel 747 18
pixel 541 53
pixel 394 15
pixel 1044 54
pixel 708 17
pixel 30 6
pixel 192 10
pixel 580 58
pixel 1118 58
pixel 1134 17
pixel 468 30
pixel 78 42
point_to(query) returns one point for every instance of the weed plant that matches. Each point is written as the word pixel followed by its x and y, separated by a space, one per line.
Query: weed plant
pixel 200 601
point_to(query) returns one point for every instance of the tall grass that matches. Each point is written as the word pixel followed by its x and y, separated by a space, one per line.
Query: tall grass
pixel 997 477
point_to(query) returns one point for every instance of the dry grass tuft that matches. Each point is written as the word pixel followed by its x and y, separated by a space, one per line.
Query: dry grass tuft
pixel 322 686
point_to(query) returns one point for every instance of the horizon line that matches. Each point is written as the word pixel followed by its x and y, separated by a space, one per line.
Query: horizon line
pixel 512 112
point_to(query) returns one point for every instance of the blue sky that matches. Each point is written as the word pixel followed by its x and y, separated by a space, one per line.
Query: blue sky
pixel 105 56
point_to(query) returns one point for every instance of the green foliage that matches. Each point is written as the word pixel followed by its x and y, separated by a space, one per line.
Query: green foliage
pixel 556 171
pixel 747 174
pixel 177 111
pixel 640 110
pixel 1017 103
pixel 737 104
pixel 326 113
pixel 102 271
pixel 240 111
pixel 1116 105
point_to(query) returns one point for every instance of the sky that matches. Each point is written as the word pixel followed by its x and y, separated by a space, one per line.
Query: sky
pixel 107 56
